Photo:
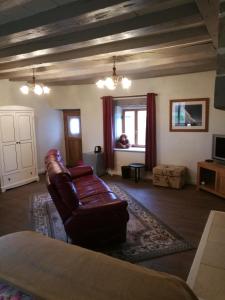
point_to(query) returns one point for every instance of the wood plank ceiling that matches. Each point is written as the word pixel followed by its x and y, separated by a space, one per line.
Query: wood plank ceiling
pixel 74 41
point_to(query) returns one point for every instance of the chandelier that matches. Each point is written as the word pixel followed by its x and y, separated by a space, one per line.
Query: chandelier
pixel 35 88
pixel 112 82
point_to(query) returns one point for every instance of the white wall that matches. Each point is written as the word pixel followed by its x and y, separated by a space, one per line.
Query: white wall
pixel 48 121
pixel 181 148
pixel 172 147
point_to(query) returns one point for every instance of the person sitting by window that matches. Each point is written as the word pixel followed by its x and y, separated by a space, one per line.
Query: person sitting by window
pixel 123 142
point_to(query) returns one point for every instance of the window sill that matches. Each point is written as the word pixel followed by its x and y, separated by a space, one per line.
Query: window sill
pixel 131 149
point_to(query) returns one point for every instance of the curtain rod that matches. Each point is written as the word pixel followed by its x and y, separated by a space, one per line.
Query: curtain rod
pixel 135 96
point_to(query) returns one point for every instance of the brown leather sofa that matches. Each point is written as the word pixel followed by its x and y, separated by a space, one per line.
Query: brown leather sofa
pixel 91 213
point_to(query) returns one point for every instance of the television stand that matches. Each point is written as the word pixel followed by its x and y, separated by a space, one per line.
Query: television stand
pixel 211 178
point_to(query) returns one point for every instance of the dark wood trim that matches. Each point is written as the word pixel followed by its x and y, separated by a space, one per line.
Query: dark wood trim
pixel 64 12
pixel 120 47
pixel 194 52
pixel 163 70
pixel 139 26
pixel 209 11
pixel 134 96
pixel 206 100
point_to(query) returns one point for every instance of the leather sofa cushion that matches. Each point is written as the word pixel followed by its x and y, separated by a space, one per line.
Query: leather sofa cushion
pixel 55 167
pixel 53 155
pixel 66 190
pixel 99 199
pixel 90 185
pixel 80 170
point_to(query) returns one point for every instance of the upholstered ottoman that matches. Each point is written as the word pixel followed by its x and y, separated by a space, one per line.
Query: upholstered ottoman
pixel 169 176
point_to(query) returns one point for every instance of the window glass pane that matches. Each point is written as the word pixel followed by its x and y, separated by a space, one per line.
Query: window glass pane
pixel 130 125
pixel 74 126
pixel 118 117
pixel 141 123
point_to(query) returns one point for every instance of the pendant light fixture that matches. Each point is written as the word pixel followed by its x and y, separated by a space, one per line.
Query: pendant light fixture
pixel 38 89
pixel 112 81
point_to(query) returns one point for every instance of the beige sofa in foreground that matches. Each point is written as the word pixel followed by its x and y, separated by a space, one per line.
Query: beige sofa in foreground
pixel 51 269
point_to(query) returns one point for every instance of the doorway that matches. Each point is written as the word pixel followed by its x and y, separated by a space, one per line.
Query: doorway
pixel 73 138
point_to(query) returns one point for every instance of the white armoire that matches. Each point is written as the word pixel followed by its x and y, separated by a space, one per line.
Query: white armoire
pixel 18 157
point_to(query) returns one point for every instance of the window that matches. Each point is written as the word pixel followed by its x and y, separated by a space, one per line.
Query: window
pixel 134 125
pixel 74 126
pixel 130 118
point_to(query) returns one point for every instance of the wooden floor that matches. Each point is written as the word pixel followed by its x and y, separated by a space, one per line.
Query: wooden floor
pixel 186 211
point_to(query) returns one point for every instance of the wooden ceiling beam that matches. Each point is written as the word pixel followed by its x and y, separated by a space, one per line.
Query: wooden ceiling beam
pixel 142 68
pixel 164 70
pixel 130 46
pixel 184 16
pixel 123 63
pixel 67 11
pixel 76 15
pixel 210 13
pixel 129 69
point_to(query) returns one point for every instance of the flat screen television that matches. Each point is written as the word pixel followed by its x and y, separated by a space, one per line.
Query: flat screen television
pixel 218 152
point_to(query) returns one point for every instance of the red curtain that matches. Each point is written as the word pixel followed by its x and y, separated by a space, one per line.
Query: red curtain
pixel 108 131
pixel 150 146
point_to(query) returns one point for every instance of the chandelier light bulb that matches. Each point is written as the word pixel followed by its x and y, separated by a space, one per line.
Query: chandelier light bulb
pixel 24 89
pixel 46 89
pixel 38 90
pixel 112 82
pixel 100 84
pixel 126 83
pixel 109 83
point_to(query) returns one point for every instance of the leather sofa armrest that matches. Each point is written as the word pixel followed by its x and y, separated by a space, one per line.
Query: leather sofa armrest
pixel 85 218
pixel 85 210
pixel 81 170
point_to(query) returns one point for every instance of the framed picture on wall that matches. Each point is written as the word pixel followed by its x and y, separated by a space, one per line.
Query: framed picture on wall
pixel 189 115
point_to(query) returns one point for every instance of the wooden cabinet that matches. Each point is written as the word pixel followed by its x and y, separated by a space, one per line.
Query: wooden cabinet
pixel 17 146
pixel 221 183
pixel 211 178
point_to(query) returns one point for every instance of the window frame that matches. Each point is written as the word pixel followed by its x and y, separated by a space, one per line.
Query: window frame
pixel 136 110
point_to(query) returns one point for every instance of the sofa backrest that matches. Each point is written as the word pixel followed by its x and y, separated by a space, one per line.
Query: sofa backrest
pixel 62 189
pixel 56 167
pixel 53 155
pixel 62 209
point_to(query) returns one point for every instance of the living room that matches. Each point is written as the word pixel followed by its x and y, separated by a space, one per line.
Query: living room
pixel 184 72
pixel 172 147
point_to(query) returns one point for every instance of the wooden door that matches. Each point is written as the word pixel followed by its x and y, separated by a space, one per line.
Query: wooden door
pixel 25 138
pixel 72 131
pixel 9 144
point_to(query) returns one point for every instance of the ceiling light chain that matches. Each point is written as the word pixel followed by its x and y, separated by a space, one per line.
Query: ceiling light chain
pixel 37 89
pixel 112 82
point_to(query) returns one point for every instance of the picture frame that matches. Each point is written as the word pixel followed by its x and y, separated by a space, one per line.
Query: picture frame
pixel 189 115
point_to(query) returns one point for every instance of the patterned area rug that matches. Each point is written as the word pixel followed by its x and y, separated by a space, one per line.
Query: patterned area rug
pixel 147 236
pixel 9 292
